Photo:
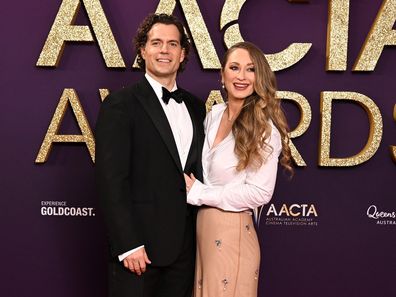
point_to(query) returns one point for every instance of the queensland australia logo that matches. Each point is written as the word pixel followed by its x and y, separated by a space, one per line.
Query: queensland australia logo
pixel 61 209
pixel 380 216
pixel 292 215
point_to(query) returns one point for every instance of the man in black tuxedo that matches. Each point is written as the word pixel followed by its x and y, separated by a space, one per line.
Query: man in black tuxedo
pixel 147 136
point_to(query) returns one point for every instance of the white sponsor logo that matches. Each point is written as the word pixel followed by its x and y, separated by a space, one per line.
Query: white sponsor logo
pixel 292 215
pixel 381 217
pixel 294 210
pixel 60 208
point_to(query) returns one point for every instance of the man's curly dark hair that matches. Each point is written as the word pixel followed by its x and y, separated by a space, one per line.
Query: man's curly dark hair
pixel 162 18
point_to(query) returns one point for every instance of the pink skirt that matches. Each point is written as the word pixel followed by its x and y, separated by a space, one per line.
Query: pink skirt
pixel 228 254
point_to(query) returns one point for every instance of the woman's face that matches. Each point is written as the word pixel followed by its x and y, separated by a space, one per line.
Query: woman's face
pixel 238 75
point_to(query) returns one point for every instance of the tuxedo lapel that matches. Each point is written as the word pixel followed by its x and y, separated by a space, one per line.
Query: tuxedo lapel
pixel 194 148
pixel 149 100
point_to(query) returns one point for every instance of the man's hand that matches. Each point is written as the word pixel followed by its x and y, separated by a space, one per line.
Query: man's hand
pixel 136 262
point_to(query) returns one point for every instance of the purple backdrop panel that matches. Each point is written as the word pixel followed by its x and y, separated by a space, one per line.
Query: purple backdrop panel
pixel 321 235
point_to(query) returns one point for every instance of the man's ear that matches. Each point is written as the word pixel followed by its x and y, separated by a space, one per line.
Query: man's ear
pixel 143 52
pixel 183 55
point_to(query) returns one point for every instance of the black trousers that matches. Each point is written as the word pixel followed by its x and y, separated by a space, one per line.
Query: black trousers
pixel 175 280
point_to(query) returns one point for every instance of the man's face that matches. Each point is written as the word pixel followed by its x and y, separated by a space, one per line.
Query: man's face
pixel 162 52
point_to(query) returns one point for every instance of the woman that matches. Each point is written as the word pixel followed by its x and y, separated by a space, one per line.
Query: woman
pixel 244 139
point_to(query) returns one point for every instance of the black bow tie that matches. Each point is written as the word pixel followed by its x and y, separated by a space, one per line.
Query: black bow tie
pixel 176 95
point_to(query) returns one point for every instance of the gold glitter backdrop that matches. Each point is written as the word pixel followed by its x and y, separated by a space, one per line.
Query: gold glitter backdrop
pixel 380 35
pixel 375 134
pixel 63 30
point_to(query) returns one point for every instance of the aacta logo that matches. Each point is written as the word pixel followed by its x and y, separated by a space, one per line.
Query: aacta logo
pixel 294 210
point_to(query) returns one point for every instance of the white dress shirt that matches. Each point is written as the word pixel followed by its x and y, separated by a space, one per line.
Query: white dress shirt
pixel 182 129
pixel 224 187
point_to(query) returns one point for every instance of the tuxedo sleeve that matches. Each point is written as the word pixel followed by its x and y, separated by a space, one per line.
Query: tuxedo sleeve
pixel 112 169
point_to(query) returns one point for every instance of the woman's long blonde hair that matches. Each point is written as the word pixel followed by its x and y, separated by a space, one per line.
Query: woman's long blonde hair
pixel 252 127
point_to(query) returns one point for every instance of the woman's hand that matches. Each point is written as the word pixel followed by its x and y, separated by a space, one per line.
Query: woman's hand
pixel 189 181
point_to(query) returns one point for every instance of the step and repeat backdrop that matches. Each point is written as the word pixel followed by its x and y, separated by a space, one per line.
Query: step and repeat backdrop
pixel 329 231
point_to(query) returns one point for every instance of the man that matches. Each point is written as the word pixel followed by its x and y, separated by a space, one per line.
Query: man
pixel 147 136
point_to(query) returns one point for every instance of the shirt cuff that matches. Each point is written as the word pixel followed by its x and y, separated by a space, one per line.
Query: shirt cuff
pixel 126 254
pixel 194 193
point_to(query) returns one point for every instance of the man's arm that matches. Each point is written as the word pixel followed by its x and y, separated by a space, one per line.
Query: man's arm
pixel 113 147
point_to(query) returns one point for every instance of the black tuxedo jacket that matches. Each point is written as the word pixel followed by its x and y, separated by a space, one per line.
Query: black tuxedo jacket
pixel 139 174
